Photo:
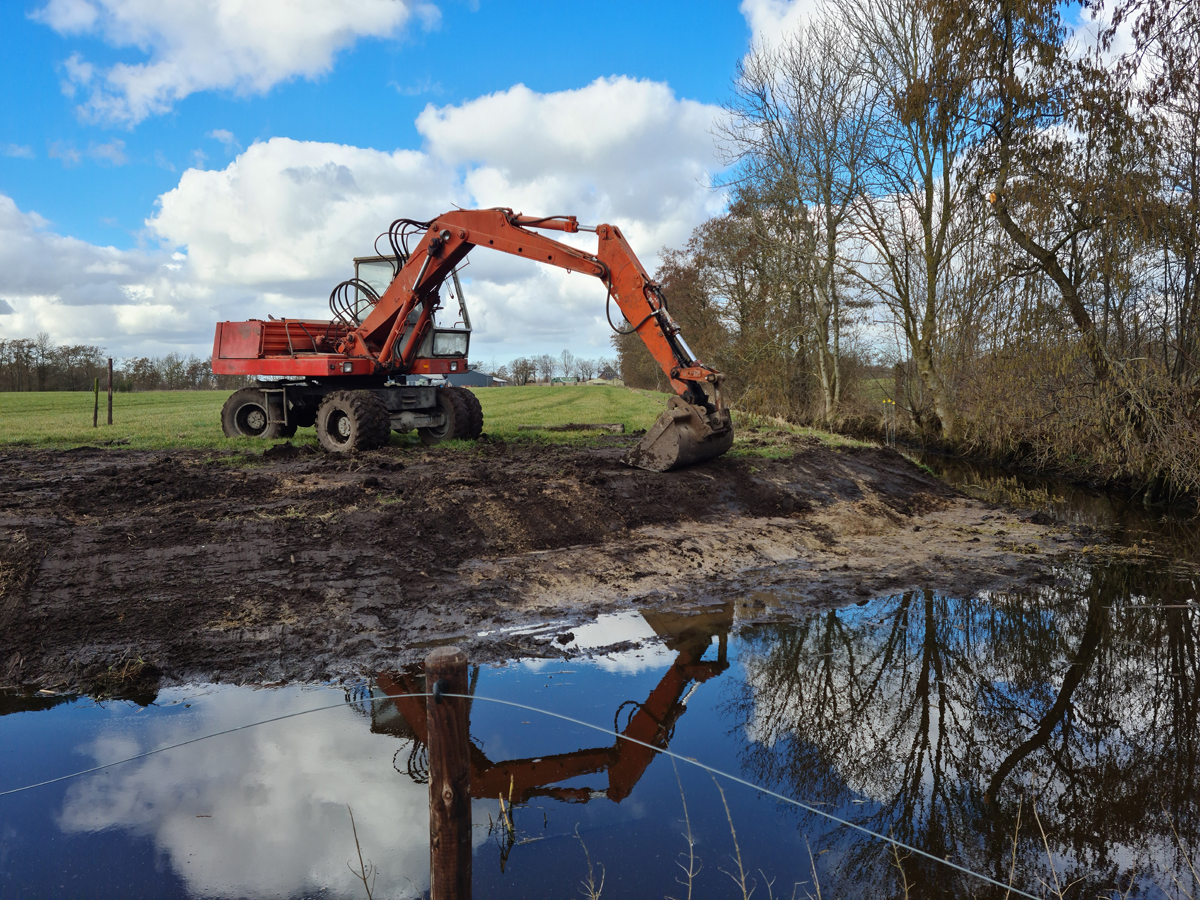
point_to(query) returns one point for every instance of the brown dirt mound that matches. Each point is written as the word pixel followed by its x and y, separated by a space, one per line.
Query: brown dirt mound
pixel 297 564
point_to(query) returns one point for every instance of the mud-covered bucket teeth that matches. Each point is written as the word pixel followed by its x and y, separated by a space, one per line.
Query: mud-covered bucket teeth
pixel 683 435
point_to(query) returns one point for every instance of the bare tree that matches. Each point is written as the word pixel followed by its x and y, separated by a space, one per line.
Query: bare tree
pixel 916 181
pixel 524 370
pixel 799 125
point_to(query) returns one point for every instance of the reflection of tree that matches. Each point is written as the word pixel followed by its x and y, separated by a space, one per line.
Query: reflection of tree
pixel 1056 715
pixel 943 713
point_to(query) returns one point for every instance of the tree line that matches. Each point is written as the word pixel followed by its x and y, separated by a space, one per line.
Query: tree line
pixel 531 369
pixel 975 210
pixel 41 365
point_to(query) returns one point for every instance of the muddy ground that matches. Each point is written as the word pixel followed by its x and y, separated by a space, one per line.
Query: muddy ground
pixel 118 565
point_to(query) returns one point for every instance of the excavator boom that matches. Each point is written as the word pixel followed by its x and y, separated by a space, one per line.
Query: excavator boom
pixel 695 427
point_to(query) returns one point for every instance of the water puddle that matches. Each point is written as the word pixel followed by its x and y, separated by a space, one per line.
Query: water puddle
pixel 1046 736
pixel 945 722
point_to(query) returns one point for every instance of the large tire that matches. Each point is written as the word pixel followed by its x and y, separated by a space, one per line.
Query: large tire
pixel 352 420
pixel 245 415
pixel 457 419
pixel 474 423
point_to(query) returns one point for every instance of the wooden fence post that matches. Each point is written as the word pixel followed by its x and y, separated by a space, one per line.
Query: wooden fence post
pixel 96 404
pixel 449 776
pixel 110 390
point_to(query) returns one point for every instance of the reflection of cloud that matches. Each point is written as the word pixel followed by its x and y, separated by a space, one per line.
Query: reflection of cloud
pixel 610 629
pixel 276 796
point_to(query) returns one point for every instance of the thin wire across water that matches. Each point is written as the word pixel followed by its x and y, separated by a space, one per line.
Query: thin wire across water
pixel 476 697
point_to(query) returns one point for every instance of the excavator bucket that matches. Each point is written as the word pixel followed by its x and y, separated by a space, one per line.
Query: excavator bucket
pixel 684 434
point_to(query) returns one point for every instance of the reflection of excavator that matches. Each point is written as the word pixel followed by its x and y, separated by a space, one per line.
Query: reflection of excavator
pixel 652 723
pixel 366 371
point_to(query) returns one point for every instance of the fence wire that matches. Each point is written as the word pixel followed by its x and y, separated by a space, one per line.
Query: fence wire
pixel 1012 891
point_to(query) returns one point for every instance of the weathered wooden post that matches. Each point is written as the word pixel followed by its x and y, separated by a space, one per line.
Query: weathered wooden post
pixel 110 390
pixel 96 404
pixel 449 775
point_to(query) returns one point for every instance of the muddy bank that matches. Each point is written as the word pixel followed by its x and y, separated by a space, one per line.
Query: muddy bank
pixel 119 565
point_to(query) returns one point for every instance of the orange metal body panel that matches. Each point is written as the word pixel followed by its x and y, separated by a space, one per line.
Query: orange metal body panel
pixel 238 340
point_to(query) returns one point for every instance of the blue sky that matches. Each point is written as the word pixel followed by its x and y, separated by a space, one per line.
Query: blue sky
pixel 167 165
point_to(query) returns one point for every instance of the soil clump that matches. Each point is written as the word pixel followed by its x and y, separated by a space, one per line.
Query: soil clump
pixel 296 565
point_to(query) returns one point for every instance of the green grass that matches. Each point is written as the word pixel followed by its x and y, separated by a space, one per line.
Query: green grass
pixel 874 391
pixel 149 421
pixel 165 419
pixel 192 419
pixel 506 408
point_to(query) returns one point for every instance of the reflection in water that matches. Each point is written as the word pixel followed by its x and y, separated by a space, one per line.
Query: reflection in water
pixel 951 716
pixel 262 812
pixel 651 722
pixel 936 719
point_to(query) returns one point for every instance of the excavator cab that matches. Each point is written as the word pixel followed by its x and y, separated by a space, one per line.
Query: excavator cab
pixel 378 272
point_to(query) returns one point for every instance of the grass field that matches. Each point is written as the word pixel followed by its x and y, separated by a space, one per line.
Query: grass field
pixel 160 420
pixel 164 419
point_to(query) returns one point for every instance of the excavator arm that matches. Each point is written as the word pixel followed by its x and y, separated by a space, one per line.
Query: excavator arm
pixel 694 427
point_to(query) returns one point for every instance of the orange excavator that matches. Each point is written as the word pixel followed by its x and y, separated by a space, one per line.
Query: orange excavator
pixel 374 367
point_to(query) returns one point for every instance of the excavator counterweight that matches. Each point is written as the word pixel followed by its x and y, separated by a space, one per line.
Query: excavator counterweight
pixel 373 367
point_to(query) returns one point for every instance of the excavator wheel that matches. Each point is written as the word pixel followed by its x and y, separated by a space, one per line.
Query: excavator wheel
pixel 474 422
pixel 352 420
pixel 456 422
pixel 245 415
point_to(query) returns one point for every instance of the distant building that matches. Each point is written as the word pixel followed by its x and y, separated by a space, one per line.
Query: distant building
pixel 570 379
pixel 608 373
pixel 471 378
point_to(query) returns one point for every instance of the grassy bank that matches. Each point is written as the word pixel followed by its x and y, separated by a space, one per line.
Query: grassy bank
pixel 160 420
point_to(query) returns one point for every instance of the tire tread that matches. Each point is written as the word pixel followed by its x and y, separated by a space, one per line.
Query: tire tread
pixel 372 422
pixel 474 413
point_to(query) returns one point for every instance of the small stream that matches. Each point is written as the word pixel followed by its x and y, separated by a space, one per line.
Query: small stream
pixel 1026 735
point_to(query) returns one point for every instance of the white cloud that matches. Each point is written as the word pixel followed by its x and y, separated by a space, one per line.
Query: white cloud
pixel 80 293
pixel 769 20
pixel 278 227
pixel 618 150
pixel 199 45
pixel 65 151
pixel 19 151
pixel 227 138
pixel 111 153
pixel 68 16
pixel 262 813
pixel 294 213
